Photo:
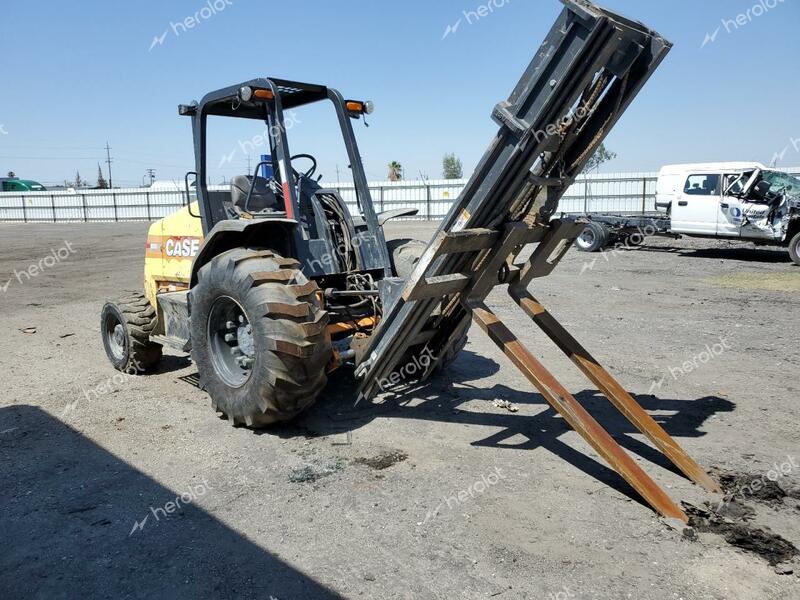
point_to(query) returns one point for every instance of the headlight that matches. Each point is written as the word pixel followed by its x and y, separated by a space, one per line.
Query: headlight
pixel 358 107
pixel 245 93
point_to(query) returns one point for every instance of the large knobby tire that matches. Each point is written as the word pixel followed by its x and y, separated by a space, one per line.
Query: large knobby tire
pixel 405 254
pixel 794 248
pixel 258 336
pixel 125 327
pixel 593 238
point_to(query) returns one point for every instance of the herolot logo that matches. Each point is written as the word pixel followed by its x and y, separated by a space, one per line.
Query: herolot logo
pixel 182 247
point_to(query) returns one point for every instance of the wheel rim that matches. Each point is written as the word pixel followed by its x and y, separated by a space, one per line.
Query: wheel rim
pixel 797 247
pixel 116 336
pixel 587 238
pixel 230 341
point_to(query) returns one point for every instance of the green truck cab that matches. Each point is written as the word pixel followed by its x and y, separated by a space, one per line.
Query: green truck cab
pixel 12 184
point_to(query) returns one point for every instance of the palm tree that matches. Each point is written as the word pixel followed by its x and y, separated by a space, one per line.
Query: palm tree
pixel 395 171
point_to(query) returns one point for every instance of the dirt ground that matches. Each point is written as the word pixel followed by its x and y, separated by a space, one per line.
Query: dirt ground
pixel 132 487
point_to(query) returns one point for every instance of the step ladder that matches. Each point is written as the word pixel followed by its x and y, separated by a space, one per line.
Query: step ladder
pixel 593 60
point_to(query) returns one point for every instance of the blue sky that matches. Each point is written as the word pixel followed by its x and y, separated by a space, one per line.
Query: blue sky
pixel 78 74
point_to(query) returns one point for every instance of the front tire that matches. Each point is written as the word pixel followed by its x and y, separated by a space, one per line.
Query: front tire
pixel 258 336
pixel 405 254
pixel 794 248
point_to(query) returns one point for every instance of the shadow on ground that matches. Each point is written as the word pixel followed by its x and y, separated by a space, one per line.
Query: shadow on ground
pixel 67 516
pixel 736 253
pixel 440 400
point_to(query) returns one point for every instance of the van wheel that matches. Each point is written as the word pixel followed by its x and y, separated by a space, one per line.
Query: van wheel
pixel 794 248
pixel 593 238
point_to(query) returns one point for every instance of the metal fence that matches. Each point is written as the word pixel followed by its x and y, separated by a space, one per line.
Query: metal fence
pixel 609 192
pixel 621 192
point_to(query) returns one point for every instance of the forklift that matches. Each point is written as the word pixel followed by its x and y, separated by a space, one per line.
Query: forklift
pixel 272 284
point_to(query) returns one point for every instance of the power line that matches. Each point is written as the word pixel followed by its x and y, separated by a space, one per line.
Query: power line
pixel 50 157
pixel 148 162
pixel 47 147
pixel 108 160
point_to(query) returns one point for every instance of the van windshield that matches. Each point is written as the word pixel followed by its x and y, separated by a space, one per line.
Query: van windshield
pixel 782 181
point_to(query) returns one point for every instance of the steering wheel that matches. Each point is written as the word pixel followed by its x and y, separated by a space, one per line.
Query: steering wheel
pixel 310 171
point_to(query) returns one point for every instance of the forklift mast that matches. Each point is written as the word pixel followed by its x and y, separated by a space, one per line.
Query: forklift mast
pixel 584 76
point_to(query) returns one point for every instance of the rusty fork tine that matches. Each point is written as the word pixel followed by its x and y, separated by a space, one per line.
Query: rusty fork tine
pixel 612 389
pixel 572 411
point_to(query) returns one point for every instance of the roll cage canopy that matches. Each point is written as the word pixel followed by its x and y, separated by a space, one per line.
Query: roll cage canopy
pixel 226 102
pixel 266 99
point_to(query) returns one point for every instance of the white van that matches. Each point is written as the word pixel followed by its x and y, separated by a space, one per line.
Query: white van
pixel 735 200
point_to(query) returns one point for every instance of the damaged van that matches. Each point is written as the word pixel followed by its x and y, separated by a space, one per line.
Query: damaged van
pixel 735 201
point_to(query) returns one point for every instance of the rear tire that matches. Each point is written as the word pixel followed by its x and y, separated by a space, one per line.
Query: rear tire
pixel 126 326
pixel 593 238
pixel 794 248
pixel 258 336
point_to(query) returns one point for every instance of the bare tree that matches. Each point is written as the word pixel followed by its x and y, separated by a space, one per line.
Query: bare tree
pixel 102 184
pixel 78 183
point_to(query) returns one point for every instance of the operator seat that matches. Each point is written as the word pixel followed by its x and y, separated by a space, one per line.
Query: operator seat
pixel 263 198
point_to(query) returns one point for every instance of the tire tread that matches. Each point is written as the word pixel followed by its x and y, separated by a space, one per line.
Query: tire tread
pixel 282 304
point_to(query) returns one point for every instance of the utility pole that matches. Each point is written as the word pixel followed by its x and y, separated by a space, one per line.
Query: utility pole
pixel 108 160
pixel 248 165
